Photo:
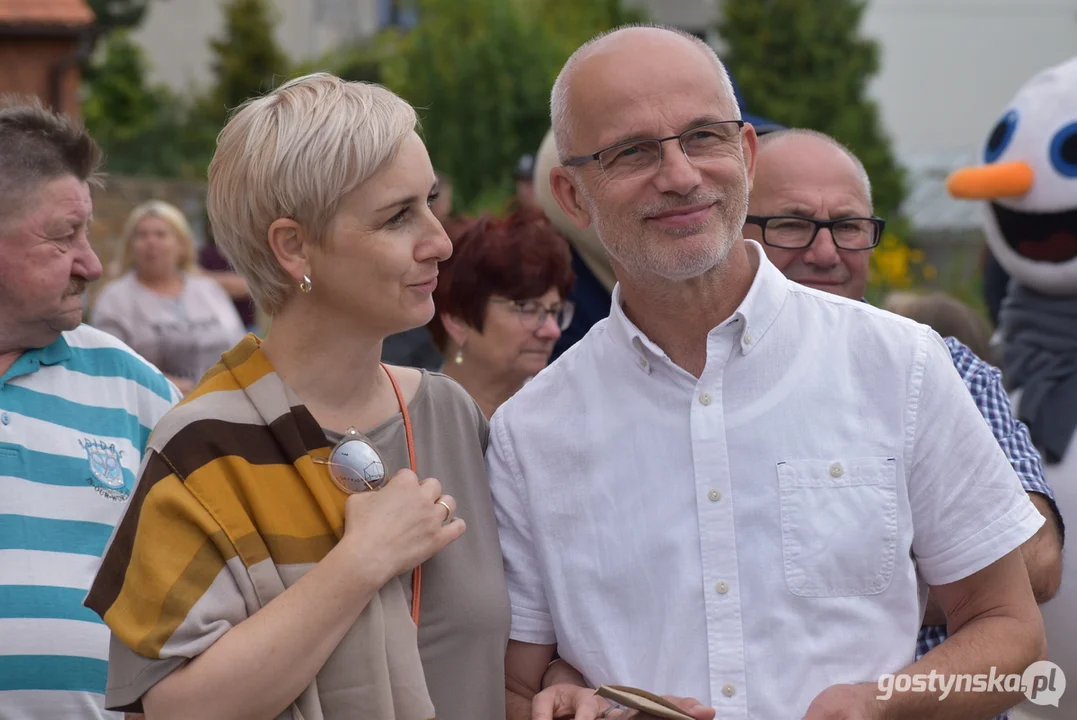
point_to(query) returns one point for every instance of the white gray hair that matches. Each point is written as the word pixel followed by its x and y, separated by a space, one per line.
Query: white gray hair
pixel 294 153
pixel 560 115
pixel 771 138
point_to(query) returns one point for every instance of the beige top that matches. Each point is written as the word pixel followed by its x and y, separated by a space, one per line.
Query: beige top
pixel 183 336
pixel 464 621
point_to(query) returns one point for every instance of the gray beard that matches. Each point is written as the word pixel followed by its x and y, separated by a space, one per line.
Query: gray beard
pixel 639 268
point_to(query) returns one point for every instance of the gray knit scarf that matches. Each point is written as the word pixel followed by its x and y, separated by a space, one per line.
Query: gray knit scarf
pixel 1040 357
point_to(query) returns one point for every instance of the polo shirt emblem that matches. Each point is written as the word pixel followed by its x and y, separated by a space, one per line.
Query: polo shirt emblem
pixel 106 473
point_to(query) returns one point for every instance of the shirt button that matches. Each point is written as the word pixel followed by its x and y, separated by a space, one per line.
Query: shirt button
pixel 722 587
pixel 705 398
pixel 836 470
pixel 5 419
pixel 643 362
pixel 714 495
pixel 729 690
pixel 747 339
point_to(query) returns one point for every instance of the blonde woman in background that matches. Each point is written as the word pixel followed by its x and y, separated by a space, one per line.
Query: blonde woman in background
pixel 177 319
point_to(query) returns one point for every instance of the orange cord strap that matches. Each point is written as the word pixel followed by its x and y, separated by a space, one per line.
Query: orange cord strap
pixel 417 573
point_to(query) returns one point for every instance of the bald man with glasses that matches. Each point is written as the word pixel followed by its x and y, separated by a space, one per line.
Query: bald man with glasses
pixel 687 501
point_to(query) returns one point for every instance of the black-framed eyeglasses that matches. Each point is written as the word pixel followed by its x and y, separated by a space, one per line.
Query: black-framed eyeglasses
pixel 635 158
pixel 791 232
pixel 533 313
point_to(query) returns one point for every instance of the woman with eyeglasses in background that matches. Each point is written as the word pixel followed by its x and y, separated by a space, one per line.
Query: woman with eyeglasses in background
pixel 501 304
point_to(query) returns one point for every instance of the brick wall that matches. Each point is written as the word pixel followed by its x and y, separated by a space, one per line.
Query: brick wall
pixel 26 65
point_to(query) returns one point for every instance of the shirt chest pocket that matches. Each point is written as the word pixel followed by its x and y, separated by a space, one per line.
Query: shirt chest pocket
pixel 839 525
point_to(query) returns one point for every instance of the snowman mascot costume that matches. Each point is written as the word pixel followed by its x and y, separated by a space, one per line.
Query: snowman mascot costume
pixel 1028 185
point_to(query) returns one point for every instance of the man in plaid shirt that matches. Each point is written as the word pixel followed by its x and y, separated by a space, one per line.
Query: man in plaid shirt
pixel 803 176
pixel 985 384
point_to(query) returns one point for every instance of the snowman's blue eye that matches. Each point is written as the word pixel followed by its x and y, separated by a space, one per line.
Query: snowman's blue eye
pixel 1000 137
pixel 1064 150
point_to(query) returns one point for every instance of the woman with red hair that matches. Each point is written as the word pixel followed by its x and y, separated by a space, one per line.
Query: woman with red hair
pixel 501 304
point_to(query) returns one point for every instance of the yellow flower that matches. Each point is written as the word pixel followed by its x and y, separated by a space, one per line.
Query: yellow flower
pixel 930 272
pixel 895 265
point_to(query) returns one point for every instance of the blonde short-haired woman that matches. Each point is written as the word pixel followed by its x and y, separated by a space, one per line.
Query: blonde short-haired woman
pixel 174 317
pixel 282 557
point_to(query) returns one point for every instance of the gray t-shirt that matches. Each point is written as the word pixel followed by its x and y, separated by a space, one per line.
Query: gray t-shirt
pixel 464 620
pixel 183 336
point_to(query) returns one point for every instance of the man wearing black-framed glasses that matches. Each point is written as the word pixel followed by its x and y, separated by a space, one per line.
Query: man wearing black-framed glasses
pixel 811 208
pixel 815 219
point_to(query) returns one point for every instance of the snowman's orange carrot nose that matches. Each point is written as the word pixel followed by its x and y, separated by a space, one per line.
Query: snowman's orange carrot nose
pixel 987 182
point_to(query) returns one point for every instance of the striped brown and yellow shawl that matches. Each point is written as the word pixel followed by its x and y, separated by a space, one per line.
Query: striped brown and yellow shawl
pixel 230 510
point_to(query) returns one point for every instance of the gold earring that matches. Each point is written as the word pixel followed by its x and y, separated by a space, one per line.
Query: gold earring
pixel 459 359
pixel 305 286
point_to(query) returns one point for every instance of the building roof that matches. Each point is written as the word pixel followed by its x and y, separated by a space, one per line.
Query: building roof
pixel 38 13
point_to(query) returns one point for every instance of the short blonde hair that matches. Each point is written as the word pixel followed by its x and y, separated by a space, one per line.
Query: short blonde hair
pixel 294 153
pixel 175 219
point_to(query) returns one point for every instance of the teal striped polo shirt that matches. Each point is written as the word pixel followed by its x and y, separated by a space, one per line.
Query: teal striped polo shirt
pixel 74 420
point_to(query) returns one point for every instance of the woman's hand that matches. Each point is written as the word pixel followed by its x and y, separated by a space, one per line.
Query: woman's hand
pixel 568 701
pixel 401 525
pixel 386 533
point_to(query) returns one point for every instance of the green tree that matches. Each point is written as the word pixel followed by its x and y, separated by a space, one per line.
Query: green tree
pixel 150 131
pixel 135 124
pixel 805 64
pixel 480 72
pixel 359 62
pixel 110 16
pixel 577 21
pixel 118 102
pixel 247 61
pixel 117 14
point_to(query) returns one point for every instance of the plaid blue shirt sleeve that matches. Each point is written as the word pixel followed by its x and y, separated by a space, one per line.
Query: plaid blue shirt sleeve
pixel 985 385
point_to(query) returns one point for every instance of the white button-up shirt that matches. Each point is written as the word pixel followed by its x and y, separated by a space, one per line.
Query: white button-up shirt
pixel 753 536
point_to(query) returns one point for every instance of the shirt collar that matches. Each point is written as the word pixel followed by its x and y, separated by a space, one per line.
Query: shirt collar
pixel 31 360
pixel 755 314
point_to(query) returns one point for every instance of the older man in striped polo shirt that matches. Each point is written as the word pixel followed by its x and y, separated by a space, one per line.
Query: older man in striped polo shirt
pixel 76 409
